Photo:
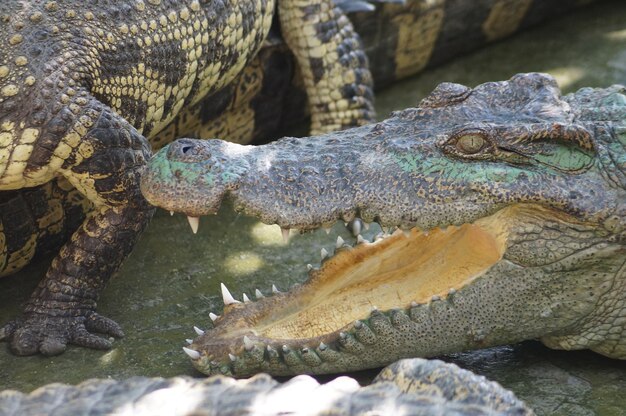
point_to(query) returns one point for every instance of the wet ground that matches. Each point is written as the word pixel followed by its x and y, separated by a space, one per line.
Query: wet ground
pixel 171 281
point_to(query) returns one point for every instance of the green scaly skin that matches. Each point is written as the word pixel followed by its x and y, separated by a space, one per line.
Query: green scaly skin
pixel 528 187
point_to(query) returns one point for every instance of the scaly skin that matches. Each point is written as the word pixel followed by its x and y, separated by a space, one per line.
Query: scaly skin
pixel 408 387
pixel 83 87
pixel 527 186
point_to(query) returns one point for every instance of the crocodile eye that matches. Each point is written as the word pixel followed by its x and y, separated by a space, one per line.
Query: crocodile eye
pixel 470 144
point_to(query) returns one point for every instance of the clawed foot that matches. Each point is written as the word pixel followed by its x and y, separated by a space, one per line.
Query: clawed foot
pixel 50 335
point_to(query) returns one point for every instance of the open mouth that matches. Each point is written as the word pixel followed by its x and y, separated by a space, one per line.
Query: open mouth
pixel 396 271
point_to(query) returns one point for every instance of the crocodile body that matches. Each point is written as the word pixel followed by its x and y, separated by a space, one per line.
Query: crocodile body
pixel 400 41
pixel 408 387
pixel 512 201
pixel 80 97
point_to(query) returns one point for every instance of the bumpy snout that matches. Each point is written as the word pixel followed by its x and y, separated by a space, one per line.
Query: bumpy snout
pixel 193 176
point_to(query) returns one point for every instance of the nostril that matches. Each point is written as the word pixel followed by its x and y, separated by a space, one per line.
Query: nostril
pixel 186 148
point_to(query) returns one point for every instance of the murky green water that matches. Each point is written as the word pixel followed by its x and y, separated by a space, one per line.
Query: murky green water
pixel 171 281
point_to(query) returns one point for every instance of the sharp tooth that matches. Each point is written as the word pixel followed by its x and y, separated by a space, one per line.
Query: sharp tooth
pixel 246 299
pixel 275 289
pixel 258 294
pixel 324 253
pixel 226 296
pixel 285 233
pixel 356 226
pixel 213 316
pixel 340 242
pixel 322 346
pixel 171 213
pixel 360 239
pixel 193 354
pixel 247 343
pixel 189 341
pixel 309 267
pixel 198 331
pixel 194 222
pixel 232 357
pixel 366 225
pixel 327 229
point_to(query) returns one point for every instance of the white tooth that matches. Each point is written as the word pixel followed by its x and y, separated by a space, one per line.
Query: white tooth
pixel 232 357
pixel 198 331
pixel 247 343
pixel 324 253
pixel 360 239
pixel 246 299
pixel 189 341
pixel 193 354
pixel 275 289
pixel 340 242
pixel 327 229
pixel 309 267
pixel 258 294
pixel 356 227
pixel 171 213
pixel 366 225
pixel 285 233
pixel 194 222
pixel 213 316
pixel 226 296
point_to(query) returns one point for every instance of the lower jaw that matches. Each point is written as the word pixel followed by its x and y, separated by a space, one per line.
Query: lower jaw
pixel 337 309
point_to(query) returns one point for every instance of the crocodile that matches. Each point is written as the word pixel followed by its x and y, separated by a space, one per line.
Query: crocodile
pixel 510 204
pixel 80 98
pixel 408 387
pixel 267 95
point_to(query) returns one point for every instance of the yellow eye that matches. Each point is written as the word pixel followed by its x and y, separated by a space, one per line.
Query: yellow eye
pixel 470 144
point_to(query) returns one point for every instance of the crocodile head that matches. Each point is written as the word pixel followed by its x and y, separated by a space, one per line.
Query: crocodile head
pixel 507 210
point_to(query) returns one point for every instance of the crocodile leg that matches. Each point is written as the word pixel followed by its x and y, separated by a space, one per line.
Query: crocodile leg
pixel 334 66
pixel 104 165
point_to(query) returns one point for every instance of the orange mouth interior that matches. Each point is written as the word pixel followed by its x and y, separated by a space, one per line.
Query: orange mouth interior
pixel 390 273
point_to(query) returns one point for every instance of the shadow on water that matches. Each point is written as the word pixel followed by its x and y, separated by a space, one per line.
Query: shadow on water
pixel 171 281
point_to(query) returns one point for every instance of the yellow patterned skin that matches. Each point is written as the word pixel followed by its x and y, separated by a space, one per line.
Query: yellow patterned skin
pixel 83 87
pixel 332 62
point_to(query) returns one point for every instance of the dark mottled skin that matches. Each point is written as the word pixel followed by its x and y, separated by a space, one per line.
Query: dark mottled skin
pixel 408 387
pixel 83 88
pixel 543 175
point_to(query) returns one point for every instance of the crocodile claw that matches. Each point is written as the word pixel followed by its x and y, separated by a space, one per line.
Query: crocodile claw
pixel 50 335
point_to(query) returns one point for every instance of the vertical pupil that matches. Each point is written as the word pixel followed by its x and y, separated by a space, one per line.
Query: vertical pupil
pixel 471 144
